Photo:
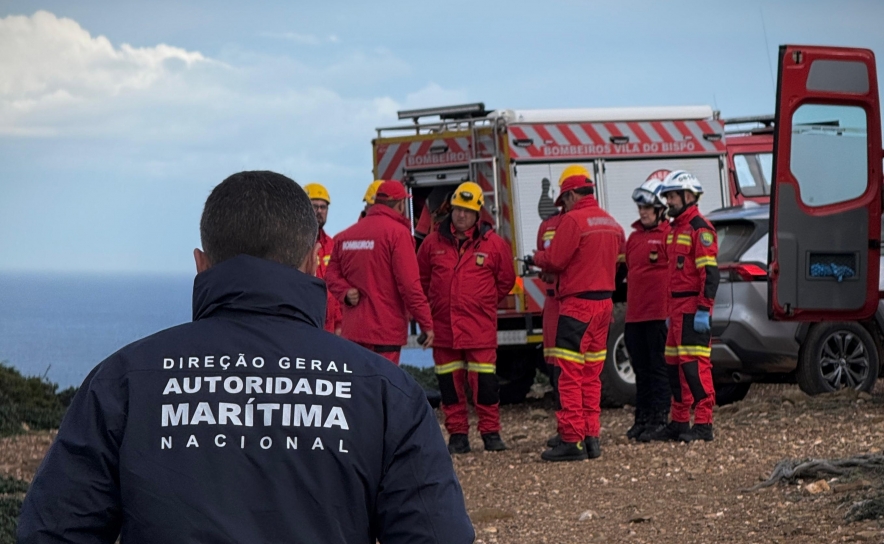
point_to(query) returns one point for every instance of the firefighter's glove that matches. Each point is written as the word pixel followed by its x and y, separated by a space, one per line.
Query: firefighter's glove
pixel 528 260
pixel 701 321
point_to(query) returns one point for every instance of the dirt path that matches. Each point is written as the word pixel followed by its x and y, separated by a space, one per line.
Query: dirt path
pixel 655 493
pixel 668 492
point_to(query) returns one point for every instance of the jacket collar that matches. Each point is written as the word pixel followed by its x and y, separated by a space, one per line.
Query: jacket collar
pixel 641 228
pixel 588 201
pixel 685 217
pixel 246 284
pixel 479 231
pixel 380 209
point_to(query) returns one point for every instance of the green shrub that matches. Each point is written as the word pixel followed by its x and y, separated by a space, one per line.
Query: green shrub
pixel 29 401
pixel 425 377
pixel 12 493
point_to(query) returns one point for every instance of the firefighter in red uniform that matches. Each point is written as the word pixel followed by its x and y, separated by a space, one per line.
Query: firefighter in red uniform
pixel 545 233
pixel 321 201
pixel 584 253
pixel 466 270
pixel 692 247
pixel 373 273
pixel 648 280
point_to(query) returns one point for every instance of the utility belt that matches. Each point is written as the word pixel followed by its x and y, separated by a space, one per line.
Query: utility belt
pixel 684 294
pixel 595 295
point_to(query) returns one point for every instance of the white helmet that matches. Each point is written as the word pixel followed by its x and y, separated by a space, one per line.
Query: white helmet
pixel 648 193
pixel 681 180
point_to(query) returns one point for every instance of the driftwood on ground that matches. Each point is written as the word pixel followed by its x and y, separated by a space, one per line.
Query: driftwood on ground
pixel 791 469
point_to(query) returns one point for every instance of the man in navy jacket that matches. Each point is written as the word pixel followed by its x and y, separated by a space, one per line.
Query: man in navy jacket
pixel 250 424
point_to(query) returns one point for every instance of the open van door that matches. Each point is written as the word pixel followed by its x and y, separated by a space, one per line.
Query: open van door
pixel 825 219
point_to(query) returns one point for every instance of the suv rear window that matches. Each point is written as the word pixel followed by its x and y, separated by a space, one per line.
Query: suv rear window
pixel 753 173
pixel 733 238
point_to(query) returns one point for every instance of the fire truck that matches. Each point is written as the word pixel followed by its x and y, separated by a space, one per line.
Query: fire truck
pixel 516 156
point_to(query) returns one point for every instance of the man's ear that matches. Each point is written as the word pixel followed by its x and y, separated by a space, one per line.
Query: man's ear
pixel 202 261
pixel 311 261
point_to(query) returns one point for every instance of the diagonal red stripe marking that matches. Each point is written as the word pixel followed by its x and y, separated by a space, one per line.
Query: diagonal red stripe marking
pixel 638 131
pixel 592 133
pixel 661 130
pixel 612 128
pixel 569 134
pixel 398 158
pixel 706 128
pixel 533 150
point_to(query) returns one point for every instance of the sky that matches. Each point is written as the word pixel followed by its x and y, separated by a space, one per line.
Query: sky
pixel 118 117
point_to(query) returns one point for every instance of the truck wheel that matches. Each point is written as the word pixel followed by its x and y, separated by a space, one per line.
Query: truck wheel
pixel 729 393
pixel 618 379
pixel 836 355
pixel 516 368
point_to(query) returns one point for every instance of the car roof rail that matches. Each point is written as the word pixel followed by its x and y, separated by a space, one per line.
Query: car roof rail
pixel 757 124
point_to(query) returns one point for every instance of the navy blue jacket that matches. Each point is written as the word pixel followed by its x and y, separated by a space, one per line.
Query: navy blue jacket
pixel 250 424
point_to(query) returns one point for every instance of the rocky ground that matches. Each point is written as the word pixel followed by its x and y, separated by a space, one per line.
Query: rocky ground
pixel 662 492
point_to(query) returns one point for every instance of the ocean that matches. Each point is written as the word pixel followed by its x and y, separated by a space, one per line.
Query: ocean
pixel 61 325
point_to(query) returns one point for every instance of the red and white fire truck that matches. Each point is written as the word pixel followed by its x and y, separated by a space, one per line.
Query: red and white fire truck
pixel 516 156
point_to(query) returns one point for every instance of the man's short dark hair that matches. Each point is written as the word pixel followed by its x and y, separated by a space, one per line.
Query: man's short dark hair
pixel 262 214
pixel 585 191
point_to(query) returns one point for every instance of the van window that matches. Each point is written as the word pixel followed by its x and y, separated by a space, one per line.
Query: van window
pixel 753 172
pixel 829 153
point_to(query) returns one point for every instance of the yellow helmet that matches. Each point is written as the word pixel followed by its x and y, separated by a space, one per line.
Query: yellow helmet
pixel 468 195
pixel 372 191
pixel 574 170
pixel 316 191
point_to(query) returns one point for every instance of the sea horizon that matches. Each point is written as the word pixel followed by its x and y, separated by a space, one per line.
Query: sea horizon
pixel 60 325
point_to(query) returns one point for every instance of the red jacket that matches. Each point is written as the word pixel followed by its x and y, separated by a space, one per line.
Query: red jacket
pixel 584 251
pixel 464 282
pixel 333 308
pixel 545 233
pixel 647 277
pixel 376 256
pixel 692 246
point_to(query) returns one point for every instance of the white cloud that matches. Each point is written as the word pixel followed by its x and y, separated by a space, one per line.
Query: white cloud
pixel 48 62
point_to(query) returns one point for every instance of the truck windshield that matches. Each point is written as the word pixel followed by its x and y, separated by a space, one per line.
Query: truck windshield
pixel 753 172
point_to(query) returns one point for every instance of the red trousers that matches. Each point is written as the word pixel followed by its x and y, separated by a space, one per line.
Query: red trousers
pixel 581 348
pixel 455 368
pixel 387 352
pixel 550 322
pixel 690 370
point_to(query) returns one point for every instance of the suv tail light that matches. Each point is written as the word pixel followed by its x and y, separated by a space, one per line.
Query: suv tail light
pixel 745 272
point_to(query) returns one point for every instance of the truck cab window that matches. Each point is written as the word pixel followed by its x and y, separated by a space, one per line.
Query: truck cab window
pixel 753 172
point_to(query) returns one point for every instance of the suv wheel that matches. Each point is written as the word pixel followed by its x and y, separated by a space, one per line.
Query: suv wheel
pixel 837 355
pixel 618 378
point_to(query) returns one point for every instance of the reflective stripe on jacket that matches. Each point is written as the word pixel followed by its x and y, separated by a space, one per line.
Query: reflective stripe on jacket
pixel 692 245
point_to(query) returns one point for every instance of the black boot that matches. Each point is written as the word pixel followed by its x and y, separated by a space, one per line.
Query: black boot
pixel 554 440
pixel 458 443
pixel 565 451
pixel 668 432
pixel 493 442
pixel 641 423
pixel 702 431
pixel 593 450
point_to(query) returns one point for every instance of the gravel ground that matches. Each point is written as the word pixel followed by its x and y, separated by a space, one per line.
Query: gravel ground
pixel 661 492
